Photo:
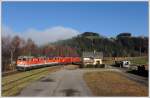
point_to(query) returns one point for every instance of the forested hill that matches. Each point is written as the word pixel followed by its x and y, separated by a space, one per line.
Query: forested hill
pixel 123 44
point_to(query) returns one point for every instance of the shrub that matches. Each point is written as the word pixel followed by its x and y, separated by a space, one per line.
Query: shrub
pixel 141 68
pixel 90 66
pixel 99 65
pixel 81 66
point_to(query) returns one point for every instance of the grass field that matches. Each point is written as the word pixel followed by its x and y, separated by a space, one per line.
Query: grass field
pixel 134 60
pixel 140 60
pixel 113 84
pixel 13 84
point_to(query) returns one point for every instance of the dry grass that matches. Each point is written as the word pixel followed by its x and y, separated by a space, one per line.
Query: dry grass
pixel 109 62
pixel 71 67
pixel 113 84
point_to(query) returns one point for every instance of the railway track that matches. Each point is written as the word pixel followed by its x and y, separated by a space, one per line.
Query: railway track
pixel 9 73
pixel 14 86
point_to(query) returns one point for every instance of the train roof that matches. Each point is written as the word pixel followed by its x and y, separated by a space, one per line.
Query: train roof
pixel 25 57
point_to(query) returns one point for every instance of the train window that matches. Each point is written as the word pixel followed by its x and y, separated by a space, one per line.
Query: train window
pixel 24 59
pixel 20 59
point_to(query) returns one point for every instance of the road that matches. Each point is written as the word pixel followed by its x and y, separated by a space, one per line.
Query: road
pixel 61 83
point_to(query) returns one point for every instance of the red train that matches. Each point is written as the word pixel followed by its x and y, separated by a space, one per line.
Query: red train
pixel 29 62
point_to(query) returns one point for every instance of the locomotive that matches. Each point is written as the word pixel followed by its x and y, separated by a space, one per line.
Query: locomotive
pixel 29 62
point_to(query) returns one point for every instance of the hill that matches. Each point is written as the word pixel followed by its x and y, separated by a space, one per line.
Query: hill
pixel 122 45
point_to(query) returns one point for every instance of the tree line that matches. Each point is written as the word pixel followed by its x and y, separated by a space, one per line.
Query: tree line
pixel 13 47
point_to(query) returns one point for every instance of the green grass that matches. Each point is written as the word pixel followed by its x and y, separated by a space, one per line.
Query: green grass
pixel 134 60
pixel 140 60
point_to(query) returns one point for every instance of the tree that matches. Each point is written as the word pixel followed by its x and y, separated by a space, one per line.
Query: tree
pixel 124 35
pixel 14 49
pixel 6 40
pixel 30 47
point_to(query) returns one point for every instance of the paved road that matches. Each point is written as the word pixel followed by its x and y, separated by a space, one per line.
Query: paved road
pixel 61 83
pixel 69 83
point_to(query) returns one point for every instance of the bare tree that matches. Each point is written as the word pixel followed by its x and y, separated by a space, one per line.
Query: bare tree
pixel 6 40
pixel 14 49
pixel 30 46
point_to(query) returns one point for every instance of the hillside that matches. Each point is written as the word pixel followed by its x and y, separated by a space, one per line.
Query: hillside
pixel 122 45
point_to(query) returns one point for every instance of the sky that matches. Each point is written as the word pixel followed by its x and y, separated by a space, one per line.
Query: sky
pixel 51 21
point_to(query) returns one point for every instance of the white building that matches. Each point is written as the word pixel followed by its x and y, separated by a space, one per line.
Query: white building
pixel 92 58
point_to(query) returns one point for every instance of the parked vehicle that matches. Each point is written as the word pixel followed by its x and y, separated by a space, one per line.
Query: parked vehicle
pixel 125 64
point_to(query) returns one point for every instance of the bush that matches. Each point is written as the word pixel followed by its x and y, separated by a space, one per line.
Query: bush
pixel 81 66
pixel 141 68
pixel 118 64
pixel 90 66
pixel 100 66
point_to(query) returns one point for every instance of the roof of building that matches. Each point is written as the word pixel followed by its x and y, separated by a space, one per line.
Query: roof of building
pixel 92 55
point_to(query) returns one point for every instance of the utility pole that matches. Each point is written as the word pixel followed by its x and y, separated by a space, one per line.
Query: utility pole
pixel 140 46
pixel 93 50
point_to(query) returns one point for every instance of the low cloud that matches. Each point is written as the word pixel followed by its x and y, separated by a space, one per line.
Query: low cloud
pixel 43 36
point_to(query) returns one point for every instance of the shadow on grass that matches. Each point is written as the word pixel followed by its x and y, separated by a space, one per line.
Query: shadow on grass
pixel 143 73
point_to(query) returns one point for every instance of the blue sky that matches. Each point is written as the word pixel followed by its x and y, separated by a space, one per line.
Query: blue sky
pixel 105 18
